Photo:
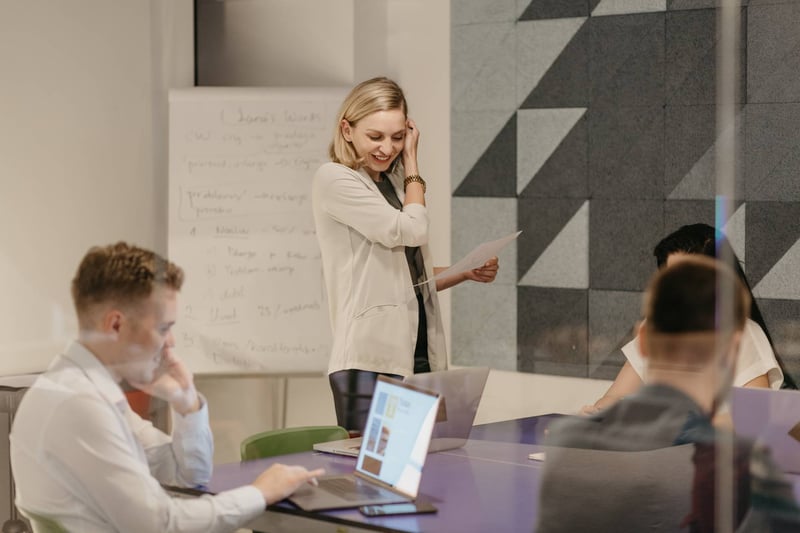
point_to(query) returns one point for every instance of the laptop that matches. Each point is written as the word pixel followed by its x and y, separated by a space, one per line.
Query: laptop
pixel 389 465
pixel 460 391
pixel 771 417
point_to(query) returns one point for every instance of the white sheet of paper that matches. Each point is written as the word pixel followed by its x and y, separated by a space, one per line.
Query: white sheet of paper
pixel 477 257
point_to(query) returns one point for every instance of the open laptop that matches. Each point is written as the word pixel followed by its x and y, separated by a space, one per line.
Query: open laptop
pixel 460 391
pixel 771 417
pixel 389 465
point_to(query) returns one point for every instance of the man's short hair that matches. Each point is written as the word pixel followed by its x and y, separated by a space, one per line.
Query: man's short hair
pixel 686 297
pixel 121 273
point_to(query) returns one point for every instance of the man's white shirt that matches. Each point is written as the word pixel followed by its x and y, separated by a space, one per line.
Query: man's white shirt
pixel 82 457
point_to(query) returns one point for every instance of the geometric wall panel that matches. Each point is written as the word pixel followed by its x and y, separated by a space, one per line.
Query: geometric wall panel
pixel 772 229
pixel 772 158
pixel 565 173
pixel 539 44
pixel 479 11
pixel 623 259
pixel 612 319
pixel 539 133
pixel 773 58
pixel 552 331
pixel 626 152
pixel 556 9
pixel 626 60
pixel 495 173
pixel 541 220
pixel 484 66
pixel 561 83
pixel 625 7
pixel 565 261
pixel 690 74
pixel 781 280
pixel 473 132
pixel 600 127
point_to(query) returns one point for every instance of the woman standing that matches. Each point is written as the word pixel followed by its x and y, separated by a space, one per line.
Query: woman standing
pixel 372 226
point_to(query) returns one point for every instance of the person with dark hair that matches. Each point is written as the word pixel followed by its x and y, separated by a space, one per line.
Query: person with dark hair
pixel 691 353
pixel 81 457
pixel 372 226
pixel 758 365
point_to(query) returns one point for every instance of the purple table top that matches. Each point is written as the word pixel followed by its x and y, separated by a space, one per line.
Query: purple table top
pixel 484 486
pixel 488 485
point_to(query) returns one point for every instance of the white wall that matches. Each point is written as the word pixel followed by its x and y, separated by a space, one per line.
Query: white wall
pixel 83 154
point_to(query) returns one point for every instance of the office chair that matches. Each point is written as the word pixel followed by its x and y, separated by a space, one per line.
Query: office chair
pixel 624 492
pixel 289 440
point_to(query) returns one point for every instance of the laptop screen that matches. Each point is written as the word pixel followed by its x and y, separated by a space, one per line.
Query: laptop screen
pixel 397 435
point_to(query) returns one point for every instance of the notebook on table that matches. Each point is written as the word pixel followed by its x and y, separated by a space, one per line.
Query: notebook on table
pixel 771 417
pixel 460 391
pixel 390 461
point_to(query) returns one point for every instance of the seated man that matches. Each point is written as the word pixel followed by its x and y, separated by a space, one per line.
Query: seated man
pixel 82 457
pixel 690 351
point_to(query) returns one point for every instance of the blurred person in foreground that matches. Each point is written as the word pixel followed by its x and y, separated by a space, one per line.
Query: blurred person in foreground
pixel 690 353
pixel 80 455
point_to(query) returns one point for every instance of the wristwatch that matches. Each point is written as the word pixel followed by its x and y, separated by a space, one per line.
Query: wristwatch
pixel 415 178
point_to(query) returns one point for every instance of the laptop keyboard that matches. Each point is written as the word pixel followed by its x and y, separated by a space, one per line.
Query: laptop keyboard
pixel 349 489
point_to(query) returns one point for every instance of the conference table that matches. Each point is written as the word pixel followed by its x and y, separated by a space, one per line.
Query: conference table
pixel 489 484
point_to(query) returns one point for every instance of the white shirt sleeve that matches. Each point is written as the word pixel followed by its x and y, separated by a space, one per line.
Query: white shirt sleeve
pixel 634 356
pixel 756 358
pixel 185 459
pixel 346 199
pixel 100 462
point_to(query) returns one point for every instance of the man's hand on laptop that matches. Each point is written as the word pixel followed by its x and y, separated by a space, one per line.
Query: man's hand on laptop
pixel 279 481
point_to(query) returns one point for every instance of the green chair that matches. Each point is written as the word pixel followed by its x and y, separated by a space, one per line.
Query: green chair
pixel 42 524
pixel 289 440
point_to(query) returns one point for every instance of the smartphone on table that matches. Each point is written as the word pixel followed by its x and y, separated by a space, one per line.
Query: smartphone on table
pixel 390 509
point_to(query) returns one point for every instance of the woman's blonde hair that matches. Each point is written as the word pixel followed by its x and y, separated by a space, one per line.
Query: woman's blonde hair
pixel 370 96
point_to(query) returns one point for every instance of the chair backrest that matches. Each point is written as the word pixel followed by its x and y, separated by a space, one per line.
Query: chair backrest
pixel 598 490
pixel 289 440
pixel 42 524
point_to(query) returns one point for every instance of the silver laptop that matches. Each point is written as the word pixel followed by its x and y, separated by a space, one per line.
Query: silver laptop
pixel 460 391
pixel 389 465
pixel 771 417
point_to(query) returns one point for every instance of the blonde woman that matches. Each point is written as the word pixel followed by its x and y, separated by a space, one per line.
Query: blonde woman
pixel 372 226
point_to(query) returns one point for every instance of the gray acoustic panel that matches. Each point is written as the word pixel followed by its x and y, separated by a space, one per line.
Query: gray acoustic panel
pixel 675 5
pixel 772 158
pixel 566 82
pixel 472 133
pixel 772 229
pixel 552 331
pixel 679 213
pixel 565 174
pixel 638 163
pixel 555 9
pixel 626 60
pixel 612 323
pixel 624 233
pixel 483 68
pixel 626 152
pixel 480 11
pixel 690 153
pixel 541 220
pixel 691 52
pixel 495 173
pixel 485 326
pixel 773 52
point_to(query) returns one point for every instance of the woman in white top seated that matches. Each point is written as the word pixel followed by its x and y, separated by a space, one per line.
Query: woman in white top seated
pixel 757 365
